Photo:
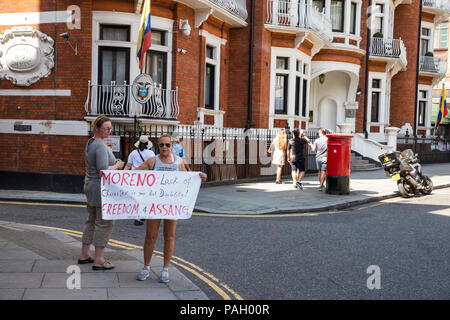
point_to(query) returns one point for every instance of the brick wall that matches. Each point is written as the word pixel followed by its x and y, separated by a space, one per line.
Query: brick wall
pixel 404 83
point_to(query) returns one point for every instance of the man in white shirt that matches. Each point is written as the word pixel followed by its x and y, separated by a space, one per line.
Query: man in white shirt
pixel 137 157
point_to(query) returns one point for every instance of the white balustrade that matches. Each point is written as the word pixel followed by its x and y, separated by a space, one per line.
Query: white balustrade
pixel 297 14
pixel 432 64
pixel 116 100
pixel 236 7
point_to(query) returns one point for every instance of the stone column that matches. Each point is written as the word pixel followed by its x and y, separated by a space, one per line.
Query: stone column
pixel 392 136
pixel 345 127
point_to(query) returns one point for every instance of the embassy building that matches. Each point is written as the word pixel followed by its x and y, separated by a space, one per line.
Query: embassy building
pixel 351 66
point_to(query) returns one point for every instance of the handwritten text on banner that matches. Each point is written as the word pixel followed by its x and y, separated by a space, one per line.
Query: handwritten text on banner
pixel 141 194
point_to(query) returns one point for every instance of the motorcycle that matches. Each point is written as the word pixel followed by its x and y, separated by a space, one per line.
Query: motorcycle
pixel 405 169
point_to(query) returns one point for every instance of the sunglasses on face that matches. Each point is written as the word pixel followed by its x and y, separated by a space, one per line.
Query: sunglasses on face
pixel 167 145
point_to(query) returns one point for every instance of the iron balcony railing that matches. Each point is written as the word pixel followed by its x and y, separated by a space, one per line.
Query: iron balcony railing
pixel 297 14
pixel 389 48
pixel 437 4
pixel 116 100
pixel 432 64
pixel 235 7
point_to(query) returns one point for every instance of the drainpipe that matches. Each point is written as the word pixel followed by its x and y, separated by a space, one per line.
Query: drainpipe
pixel 419 33
pixel 366 84
pixel 250 73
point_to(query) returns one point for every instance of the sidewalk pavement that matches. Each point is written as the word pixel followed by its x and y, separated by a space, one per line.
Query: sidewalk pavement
pixel 34 265
pixel 34 261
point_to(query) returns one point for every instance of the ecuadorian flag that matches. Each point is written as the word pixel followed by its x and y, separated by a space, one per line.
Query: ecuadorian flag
pixel 145 36
pixel 442 108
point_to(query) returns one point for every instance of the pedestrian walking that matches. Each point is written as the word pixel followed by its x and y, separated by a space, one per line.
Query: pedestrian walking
pixel 97 231
pixel 320 147
pixel 164 161
pixel 137 157
pixel 296 157
pixel 278 146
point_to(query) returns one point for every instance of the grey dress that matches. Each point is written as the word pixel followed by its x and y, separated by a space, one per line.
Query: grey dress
pixel 97 157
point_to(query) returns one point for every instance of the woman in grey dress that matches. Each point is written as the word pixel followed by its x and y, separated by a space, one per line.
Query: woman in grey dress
pixel 97 231
pixel 164 161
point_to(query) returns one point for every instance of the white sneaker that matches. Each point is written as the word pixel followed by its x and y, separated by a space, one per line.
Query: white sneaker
pixel 164 275
pixel 144 274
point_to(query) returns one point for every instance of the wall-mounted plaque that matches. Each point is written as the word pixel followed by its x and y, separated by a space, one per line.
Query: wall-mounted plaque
pixel 26 55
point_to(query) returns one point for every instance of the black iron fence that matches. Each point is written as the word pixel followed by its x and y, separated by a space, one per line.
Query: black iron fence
pixel 223 153
pixel 429 149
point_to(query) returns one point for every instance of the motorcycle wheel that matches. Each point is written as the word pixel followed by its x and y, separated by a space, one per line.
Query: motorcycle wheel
pixel 428 185
pixel 405 189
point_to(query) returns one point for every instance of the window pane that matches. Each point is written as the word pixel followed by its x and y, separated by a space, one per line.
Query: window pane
pixel 158 37
pixel 304 97
pixel 443 43
pixel 337 15
pixel 107 63
pixel 297 95
pixel 422 110
pixel 121 63
pixel 282 63
pixel 375 83
pixel 156 67
pixel 319 5
pixel 424 46
pixel 426 32
pixel 353 18
pixel 210 52
pixel 115 33
pixel 375 106
pixel 209 86
pixel 423 94
pixel 281 94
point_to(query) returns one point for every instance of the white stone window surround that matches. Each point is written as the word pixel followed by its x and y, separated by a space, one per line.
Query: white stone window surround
pixel 388 17
pixel 293 56
pixel 133 20
pixel 429 102
pixel 216 43
pixel 430 37
pixel 347 14
pixel 384 108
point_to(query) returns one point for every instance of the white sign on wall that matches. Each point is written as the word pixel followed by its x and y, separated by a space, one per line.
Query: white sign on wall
pixel 113 142
pixel 148 194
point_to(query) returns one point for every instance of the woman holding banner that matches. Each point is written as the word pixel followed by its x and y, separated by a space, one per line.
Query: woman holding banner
pixel 97 231
pixel 164 161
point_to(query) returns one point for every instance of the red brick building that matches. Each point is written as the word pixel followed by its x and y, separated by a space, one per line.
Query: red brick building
pixel 346 65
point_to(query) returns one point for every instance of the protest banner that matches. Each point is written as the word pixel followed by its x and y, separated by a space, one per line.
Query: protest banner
pixel 142 194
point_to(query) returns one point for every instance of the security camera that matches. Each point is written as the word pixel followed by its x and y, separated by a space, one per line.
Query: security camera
pixel 187 29
pixel 65 35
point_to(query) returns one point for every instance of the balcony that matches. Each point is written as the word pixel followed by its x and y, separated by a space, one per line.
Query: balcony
pixel 299 18
pixel 233 12
pixel 434 67
pixel 392 51
pixel 440 8
pixel 116 101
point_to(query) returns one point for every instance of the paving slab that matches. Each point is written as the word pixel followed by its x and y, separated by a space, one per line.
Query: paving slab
pixel 15 266
pixel 20 280
pixel 65 294
pixel 88 280
pixel 11 294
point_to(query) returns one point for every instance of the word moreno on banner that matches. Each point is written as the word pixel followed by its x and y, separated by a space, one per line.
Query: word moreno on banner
pixel 148 194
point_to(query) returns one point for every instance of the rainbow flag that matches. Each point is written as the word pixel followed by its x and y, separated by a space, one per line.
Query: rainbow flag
pixel 442 108
pixel 145 34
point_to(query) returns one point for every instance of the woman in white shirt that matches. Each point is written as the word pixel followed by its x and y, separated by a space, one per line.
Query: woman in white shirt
pixel 137 157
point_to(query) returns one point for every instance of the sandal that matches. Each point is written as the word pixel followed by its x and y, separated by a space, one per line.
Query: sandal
pixel 103 266
pixel 88 260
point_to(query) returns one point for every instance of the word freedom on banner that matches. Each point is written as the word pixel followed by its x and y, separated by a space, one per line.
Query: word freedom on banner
pixel 141 194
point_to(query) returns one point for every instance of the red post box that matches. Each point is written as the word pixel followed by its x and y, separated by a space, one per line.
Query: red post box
pixel 338 163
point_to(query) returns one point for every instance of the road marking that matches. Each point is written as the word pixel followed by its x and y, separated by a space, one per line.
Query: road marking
pixel 219 287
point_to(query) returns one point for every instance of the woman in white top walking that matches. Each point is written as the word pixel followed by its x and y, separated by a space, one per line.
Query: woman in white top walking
pixel 164 161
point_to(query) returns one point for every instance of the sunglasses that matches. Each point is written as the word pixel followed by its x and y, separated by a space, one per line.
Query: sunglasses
pixel 167 145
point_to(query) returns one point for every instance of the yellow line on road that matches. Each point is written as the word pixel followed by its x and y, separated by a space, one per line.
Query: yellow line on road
pixel 213 282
